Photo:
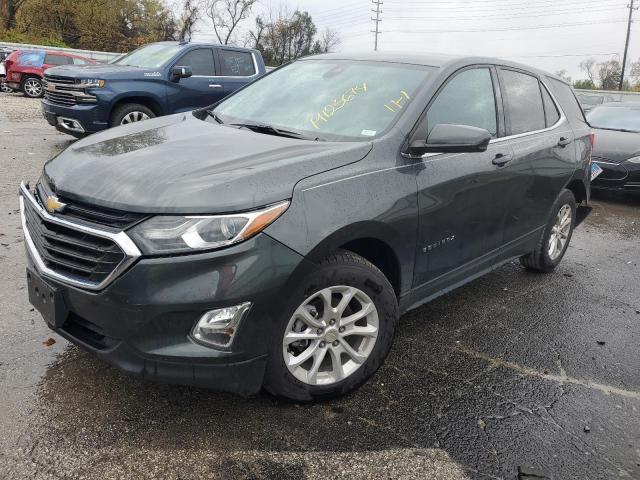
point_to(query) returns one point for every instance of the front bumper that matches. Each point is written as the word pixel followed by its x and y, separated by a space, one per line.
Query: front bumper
pixel 624 176
pixel 141 321
pixel 91 117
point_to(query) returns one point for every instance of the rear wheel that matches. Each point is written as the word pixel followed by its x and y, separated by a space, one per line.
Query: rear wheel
pixel 555 237
pixel 130 113
pixel 32 87
pixel 3 86
pixel 336 332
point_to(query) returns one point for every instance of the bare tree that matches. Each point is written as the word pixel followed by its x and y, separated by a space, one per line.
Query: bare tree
pixel 226 15
pixel 11 8
pixel 589 67
pixel 563 74
pixel 329 40
pixel 187 20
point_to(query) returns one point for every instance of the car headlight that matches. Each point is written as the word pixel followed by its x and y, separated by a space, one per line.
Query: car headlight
pixel 634 160
pixel 173 234
pixel 91 83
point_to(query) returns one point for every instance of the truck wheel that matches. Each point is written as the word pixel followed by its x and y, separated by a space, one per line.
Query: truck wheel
pixel 129 113
pixel 337 329
pixel 32 87
pixel 555 237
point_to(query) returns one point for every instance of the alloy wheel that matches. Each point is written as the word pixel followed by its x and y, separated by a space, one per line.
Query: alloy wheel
pixel 330 335
pixel 560 232
pixel 134 117
pixel 33 87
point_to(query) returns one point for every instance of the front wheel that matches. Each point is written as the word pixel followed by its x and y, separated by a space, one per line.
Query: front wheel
pixel 336 331
pixel 556 236
pixel 32 87
pixel 130 113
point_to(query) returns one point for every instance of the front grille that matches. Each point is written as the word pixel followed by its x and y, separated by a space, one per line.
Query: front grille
pixel 91 214
pixel 60 98
pixel 72 253
pixel 58 79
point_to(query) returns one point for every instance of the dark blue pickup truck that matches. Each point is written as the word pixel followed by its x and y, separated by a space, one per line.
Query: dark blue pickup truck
pixel 157 79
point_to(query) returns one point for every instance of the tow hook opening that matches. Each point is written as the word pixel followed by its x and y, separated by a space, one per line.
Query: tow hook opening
pixel 70 124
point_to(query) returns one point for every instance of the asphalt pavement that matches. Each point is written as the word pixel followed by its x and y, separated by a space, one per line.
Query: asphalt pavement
pixel 516 375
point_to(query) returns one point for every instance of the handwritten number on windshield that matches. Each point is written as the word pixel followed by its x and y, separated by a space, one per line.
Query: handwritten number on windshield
pixel 324 115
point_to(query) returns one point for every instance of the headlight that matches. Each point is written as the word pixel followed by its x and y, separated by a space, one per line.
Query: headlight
pixel 91 83
pixel 634 160
pixel 171 234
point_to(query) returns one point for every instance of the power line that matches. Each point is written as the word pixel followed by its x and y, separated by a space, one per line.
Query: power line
pixel 626 45
pixel 377 11
pixel 506 29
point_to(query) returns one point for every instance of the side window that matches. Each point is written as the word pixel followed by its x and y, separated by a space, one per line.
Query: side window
pixel 78 61
pixel 550 110
pixel 236 64
pixel 468 99
pixel 564 94
pixel 53 59
pixel 200 61
pixel 523 102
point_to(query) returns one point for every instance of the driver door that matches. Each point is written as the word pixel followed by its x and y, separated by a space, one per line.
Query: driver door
pixel 203 88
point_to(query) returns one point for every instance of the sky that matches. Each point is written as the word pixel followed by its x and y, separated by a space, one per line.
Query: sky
pixel 550 34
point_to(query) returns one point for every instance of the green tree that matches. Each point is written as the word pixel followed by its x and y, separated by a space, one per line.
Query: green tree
pixel 584 84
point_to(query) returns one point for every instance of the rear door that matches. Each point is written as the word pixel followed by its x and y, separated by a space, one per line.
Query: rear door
pixel 461 196
pixel 236 68
pixel 544 152
pixel 55 60
pixel 199 90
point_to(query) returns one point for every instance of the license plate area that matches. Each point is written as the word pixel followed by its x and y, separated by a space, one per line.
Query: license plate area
pixel 46 299
pixel 595 171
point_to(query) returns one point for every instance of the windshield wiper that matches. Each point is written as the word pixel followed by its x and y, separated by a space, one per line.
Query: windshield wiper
pixel 215 116
pixel 271 130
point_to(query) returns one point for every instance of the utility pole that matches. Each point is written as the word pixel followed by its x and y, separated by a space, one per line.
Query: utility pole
pixel 626 45
pixel 377 19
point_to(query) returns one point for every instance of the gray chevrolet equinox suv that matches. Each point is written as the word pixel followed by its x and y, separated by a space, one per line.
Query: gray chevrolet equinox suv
pixel 274 239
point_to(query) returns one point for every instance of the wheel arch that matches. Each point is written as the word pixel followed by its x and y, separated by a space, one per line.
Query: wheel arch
pixel 373 241
pixel 148 101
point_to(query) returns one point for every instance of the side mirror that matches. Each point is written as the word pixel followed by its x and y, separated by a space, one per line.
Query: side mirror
pixel 178 72
pixel 445 138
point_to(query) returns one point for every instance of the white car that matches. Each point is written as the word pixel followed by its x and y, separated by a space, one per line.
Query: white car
pixel 3 73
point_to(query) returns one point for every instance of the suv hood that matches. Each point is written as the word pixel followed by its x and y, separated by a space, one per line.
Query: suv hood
pixel 180 164
pixel 102 71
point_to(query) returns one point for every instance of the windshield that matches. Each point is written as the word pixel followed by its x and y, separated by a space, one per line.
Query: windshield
pixel 328 99
pixel 149 56
pixel 616 118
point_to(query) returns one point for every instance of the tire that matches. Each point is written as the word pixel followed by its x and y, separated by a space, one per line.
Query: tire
pixel 3 86
pixel 542 259
pixel 347 273
pixel 32 87
pixel 130 113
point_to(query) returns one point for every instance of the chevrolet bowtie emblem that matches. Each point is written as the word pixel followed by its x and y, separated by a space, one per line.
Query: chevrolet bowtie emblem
pixel 54 205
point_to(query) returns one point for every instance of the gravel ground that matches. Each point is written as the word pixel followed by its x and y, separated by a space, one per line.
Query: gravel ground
pixel 511 376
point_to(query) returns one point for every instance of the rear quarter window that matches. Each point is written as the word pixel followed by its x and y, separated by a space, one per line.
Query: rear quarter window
pixel 568 101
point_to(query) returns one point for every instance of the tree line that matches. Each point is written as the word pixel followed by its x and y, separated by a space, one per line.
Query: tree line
pixel 122 25
pixel 606 75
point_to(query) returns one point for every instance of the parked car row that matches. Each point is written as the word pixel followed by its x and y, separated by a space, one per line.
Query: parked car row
pixel 25 68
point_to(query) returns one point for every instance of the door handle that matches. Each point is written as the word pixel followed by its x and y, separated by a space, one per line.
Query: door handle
pixel 215 85
pixel 501 159
pixel 563 142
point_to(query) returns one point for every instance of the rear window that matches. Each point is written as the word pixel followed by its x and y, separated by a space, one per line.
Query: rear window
pixel 236 64
pixel 31 59
pixel 524 102
pixel 568 102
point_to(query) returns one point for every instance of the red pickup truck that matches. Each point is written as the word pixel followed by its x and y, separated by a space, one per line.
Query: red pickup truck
pixel 25 68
